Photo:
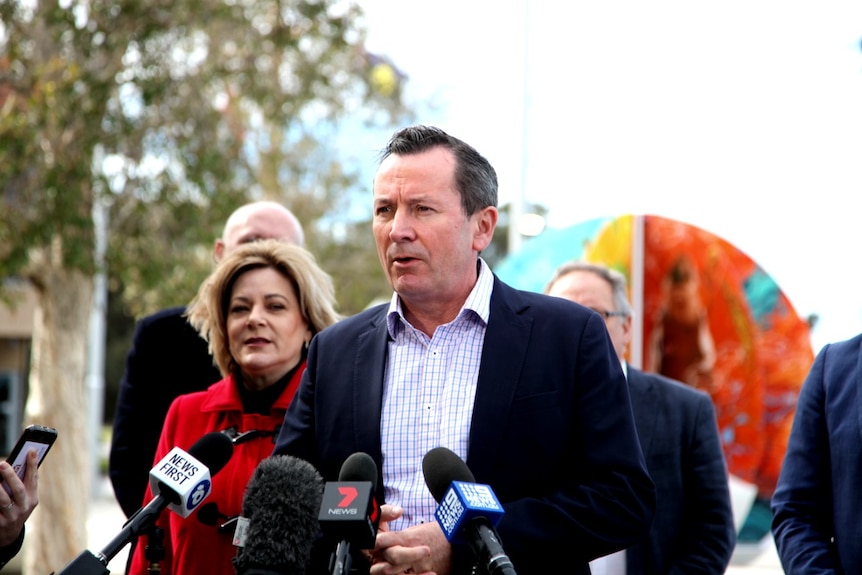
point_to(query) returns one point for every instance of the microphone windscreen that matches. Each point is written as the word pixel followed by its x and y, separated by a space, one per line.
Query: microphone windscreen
pixel 281 503
pixel 442 466
pixel 359 467
pixel 213 450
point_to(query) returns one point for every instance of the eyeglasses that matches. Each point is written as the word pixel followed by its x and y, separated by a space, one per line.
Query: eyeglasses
pixel 608 314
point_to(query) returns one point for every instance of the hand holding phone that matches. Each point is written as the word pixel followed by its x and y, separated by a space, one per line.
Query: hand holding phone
pixel 34 437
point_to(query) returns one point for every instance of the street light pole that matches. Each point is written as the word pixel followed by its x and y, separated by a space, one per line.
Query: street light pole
pixel 516 207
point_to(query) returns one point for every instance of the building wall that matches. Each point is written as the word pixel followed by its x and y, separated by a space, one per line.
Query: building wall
pixel 16 329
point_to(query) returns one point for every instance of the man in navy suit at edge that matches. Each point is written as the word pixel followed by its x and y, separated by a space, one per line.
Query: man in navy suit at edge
pixel 816 505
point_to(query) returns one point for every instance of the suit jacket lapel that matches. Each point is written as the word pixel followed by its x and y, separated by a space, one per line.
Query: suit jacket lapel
pixel 367 389
pixel 503 354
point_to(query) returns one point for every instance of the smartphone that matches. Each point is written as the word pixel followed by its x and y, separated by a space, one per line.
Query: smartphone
pixel 36 437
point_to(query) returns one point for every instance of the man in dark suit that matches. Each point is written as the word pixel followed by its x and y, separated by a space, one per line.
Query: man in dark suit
pixel 693 529
pixel 168 358
pixel 524 387
pixel 816 504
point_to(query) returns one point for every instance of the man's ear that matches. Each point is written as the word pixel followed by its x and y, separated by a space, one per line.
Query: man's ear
pixel 485 221
pixel 218 250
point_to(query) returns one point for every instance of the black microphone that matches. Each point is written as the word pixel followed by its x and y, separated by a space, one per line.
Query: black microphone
pixel 467 511
pixel 349 512
pixel 212 451
pixel 278 525
pixel 209 514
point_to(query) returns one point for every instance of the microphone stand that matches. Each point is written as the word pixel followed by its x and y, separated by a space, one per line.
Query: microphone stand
pixel 340 562
pixel 87 563
pixel 155 549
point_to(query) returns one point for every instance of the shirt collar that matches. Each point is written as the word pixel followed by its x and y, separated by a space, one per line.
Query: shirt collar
pixel 477 302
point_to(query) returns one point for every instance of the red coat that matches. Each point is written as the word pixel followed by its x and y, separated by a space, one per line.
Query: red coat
pixel 190 545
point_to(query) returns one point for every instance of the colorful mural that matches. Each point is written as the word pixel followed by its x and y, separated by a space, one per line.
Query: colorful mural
pixel 710 317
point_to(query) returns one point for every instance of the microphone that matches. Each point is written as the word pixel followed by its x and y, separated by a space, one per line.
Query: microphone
pixel 349 512
pixel 278 525
pixel 468 511
pixel 207 456
pixel 183 480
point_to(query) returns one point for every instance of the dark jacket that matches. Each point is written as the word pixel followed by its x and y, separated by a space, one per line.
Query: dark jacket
pixel 818 501
pixel 167 358
pixel 11 550
pixel 693 529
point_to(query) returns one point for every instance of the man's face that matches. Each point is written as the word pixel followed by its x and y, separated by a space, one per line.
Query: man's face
pixel 426 244
pixel 589 289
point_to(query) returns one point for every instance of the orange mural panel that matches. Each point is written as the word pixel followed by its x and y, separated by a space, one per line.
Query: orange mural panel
pixel 713 319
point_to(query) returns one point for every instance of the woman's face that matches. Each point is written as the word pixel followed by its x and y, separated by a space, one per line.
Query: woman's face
pixel 265 328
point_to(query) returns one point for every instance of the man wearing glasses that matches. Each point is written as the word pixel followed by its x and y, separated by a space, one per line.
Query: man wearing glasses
pixel 693 529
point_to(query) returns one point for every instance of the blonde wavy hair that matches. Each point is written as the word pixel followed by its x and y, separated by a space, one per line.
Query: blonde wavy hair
pixel 207 311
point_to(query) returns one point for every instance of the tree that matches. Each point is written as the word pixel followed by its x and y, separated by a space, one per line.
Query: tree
pixel 168 114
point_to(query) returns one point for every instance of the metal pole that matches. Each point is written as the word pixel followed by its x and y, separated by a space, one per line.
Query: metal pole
pixel 516 208
pixel 637 289
pixel 96 344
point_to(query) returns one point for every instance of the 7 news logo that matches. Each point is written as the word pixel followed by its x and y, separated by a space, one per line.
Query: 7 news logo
pixel 348 496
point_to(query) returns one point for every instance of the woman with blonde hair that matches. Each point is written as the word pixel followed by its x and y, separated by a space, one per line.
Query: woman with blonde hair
pixel 258 310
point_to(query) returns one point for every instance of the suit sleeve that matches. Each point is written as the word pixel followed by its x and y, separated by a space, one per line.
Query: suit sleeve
pixel 708 533
pixel 11 550
pixel 802 503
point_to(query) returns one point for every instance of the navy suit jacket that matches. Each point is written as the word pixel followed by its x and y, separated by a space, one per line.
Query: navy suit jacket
pixel 817 505
pixel 693 530
pixel 552 430
pixel 167 358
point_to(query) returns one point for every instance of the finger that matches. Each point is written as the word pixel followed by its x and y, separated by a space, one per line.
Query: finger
pixel 401 558
pixel 32 470
pixel 12 483
pixel 390 512
pixel 384 568
pixel 387 569
pixel 6 472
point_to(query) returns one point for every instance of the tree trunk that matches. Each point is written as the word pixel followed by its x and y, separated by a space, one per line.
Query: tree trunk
pixel 57 530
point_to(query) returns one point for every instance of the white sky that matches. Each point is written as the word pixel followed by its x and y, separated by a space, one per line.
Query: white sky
pixel 741 117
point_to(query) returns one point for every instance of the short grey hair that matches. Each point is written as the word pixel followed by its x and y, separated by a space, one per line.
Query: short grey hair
pixel 617 281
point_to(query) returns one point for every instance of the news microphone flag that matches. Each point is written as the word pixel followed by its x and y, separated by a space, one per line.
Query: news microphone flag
pixel 463 503
pixel 349 513
pixel 187 479
pixel 467 511
pixel 214 449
